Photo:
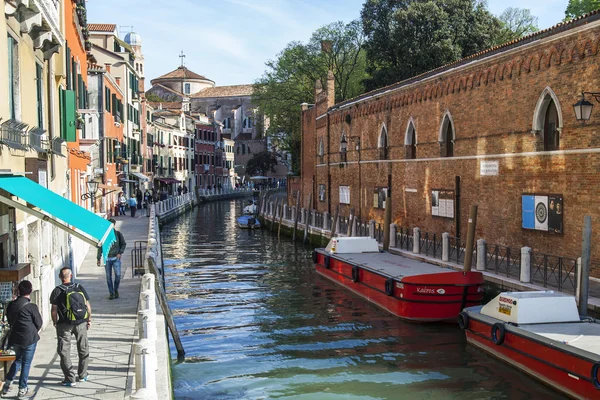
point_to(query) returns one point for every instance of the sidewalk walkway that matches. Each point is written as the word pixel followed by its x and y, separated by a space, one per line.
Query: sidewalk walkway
pixel 110 337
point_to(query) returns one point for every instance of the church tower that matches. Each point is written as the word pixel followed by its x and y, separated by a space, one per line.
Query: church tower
pixel 135 41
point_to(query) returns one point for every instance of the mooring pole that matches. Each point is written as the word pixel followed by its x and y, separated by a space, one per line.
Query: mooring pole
pixel 335 222
pixel 387 220
pixel 309 211
pixel 296 216
pixel 470 238
pixel 349 228
pixel 283 205
pixel 585 265
pixel 274 216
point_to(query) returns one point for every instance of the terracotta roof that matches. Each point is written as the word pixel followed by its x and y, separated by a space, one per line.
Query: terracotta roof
pixel 225 91
pixel 166 105
pixel 182 73
pixel 166 88
pixel 544 33
pixel 102 27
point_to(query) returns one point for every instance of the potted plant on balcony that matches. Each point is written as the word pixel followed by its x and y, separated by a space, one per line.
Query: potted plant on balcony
pixel 79 121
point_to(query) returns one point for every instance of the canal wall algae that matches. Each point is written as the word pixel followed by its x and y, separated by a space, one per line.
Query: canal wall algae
pixel 258 322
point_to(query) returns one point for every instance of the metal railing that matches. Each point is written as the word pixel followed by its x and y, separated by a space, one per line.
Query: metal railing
pixel 404 238
pixel 137 257
pixel 456 251
pixel 556 271
pixel 431 245
pixel 503 260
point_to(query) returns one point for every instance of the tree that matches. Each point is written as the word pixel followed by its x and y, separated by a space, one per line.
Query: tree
pixel 575 8
pixel 289 80
pixel 261 163
pixel 407 38
pixel 515 23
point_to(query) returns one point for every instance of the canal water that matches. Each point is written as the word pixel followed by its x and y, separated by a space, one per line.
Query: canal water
pixel 257 322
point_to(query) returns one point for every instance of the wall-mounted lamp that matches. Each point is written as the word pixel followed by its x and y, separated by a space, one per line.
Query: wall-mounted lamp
pixel 583 108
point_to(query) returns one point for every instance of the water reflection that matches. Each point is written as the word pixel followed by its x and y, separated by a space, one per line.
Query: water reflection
pixel 257 322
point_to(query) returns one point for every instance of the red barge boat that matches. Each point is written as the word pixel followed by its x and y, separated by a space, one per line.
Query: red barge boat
pixel 409 289
pixel 542 334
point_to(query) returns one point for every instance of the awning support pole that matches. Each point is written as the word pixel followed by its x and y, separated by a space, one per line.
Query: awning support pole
pixel 47 218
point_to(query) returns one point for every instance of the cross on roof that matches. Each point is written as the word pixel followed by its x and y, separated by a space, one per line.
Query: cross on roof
pixel 182 56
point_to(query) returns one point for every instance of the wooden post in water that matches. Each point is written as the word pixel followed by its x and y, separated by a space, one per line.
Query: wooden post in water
pixel 283 205
pixel 335 222
pixel 585 265
pixel 296 216
pixel 164 305
pixel 309 208
pixel 274 213
pixel 470 238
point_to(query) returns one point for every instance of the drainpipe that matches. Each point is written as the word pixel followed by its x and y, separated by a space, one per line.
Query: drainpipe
pixel 51 127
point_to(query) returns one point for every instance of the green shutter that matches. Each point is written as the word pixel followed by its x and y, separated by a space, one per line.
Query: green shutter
pixel 114 105
pixel 67 115
pixel 68 65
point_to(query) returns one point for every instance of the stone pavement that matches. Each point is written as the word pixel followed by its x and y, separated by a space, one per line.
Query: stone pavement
pixel 110 337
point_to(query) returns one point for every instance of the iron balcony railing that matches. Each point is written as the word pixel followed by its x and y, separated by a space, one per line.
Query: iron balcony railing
pixel 13 134
pixel 36 142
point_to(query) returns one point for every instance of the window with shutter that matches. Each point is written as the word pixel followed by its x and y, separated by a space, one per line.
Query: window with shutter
pixel 67 113
pixel 39 79
pixel 68 65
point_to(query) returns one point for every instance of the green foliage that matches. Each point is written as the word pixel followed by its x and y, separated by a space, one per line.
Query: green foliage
pixel 575 8
pixel 407 38
pixel 289 80
pixel 515 23
pixel 261 163
pixel 152 97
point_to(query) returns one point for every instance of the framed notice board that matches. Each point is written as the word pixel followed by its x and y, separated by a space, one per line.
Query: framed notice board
pixel 379 195
pixel 542 212
pixel 442 203
pixel 344 194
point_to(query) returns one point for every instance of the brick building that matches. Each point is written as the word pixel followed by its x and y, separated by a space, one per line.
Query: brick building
pixel 495 129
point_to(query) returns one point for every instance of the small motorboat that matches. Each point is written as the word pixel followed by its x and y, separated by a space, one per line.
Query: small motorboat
pixel 543 335
pixel 409 289
pixel 248 222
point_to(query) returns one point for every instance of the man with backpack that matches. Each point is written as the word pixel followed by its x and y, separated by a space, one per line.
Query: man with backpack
pixel 113 262
pixel 72 315
pixel 25 321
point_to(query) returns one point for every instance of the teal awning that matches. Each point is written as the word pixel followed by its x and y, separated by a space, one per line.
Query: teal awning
pixel 55 209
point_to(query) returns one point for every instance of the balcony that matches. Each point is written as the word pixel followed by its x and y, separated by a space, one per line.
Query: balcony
pixel 40 19
pixel 12 134
pixel 56 149
pixel 36 142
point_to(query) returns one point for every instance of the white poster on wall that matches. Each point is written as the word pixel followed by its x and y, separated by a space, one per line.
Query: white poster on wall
pixel 489 168
pixel 344 194
pixel 42 178
pixel 435 203
pixel 541 213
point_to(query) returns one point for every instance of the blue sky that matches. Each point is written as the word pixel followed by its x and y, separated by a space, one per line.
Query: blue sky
pixel 229 41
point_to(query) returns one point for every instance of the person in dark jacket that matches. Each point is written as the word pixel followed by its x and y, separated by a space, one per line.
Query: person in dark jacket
pixel 139 197
pixel 25 322
pixel 113 263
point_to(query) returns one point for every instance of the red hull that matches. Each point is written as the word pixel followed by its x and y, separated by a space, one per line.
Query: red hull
pixel 421 298
pixel 564 371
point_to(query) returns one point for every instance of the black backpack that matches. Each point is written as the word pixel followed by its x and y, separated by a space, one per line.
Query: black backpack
pixel 75 304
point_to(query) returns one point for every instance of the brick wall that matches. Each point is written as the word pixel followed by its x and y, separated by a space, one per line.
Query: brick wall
pixel 492 101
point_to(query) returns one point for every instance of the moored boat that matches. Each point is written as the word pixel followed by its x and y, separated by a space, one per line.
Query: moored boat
pixel 542 334
pixel 248 222
pixel 409 289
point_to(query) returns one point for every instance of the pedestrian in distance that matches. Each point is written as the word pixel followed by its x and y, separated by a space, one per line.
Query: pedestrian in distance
pixel 179 190
pixel 72 316
pixel 132 205
pixel 139 197
pixel 25 322
pixel 185 189
pixel 113 262
pixel 122 203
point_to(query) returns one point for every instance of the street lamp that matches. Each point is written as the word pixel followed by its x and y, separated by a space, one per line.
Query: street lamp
pixel 92 189
pixel 583 108
pixel 343 148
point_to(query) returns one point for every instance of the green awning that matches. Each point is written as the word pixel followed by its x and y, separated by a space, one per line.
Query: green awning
pixel 55 209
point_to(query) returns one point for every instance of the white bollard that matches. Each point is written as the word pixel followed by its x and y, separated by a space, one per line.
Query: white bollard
pixel 354 231
pixel 148 281
pixel 393 229
pixel 578 283
pixel 481 254
pixel 372 229
pixel 525 264
pixel 147 324
pixel 326 221
pixel 445 246
pixel 145 369
pixel 148 300
pixel 416 240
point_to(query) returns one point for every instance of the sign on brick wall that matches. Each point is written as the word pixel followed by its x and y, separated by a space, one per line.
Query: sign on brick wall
pixel 542 212
pixel 489 168
pixel 379 195
pixel 344 194
pixel 442 203
pixel 321 192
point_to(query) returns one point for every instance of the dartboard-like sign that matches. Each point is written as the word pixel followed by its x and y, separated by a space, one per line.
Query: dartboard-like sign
pixel 541 212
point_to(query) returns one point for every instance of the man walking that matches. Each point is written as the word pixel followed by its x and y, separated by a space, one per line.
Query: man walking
pixel 132 205
pixel 72 315
pixel 25 321
pixel 113 262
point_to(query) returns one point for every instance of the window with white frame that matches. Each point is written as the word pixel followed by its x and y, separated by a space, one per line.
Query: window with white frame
pixel 247 122
pixel 227 123
pixel 187 88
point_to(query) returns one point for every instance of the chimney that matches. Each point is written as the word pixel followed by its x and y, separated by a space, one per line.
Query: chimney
pixel 141 85
pixel 330 89
pixel 118 80
pixel 107 66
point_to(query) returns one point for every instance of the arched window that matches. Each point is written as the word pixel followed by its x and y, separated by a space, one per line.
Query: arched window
pixel 410 140
pixel 547 119
pixel 321 151
pixel 447 136
pixel 382 143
